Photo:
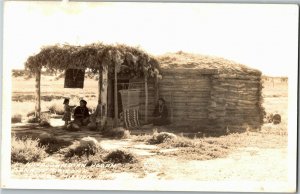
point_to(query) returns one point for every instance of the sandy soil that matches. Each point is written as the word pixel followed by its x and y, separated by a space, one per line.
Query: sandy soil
pixel 251 164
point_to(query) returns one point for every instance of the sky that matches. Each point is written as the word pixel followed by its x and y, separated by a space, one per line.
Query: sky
pixel 260 36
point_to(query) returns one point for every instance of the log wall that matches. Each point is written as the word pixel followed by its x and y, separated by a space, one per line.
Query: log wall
pixel 236 103
pixel 214 102
pixel 187 95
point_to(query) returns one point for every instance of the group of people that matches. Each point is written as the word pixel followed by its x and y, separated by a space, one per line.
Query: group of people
pixel 82 115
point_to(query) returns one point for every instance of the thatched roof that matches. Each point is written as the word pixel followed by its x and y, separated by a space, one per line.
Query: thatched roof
pixel 134 61
pixel 182 60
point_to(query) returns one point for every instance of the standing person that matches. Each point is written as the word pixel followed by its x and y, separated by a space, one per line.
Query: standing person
pixel 81 114
pixel 67 112
pixel 160 113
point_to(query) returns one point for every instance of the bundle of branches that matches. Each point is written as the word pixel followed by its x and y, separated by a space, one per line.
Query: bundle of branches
pixel 95 57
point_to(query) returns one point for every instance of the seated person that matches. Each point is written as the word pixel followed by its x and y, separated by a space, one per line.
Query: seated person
pixel 81 114
pixel 160 113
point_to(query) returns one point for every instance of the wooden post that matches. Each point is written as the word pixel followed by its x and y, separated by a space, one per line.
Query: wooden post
pixel 110 103
pixel 116 97
pixel 102 100
pixel 146 100
pixel 171 107
pixel 99 87
pixel 156 88
pixel 38 94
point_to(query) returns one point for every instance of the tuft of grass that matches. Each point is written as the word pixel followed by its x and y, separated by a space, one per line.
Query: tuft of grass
pixel 162 137
pixel 278 129
pixel 197 149
pixel 56 108
pixel 117 133
pixel 30 113
pixel 51 143
pixel 73 127
pixel 17 118
pixel 86 146
pixel 32 120
pixel 45 120
pixel 26 150
pixel 44 123
pixel 120 156
pixel 178 142
pixel 219 147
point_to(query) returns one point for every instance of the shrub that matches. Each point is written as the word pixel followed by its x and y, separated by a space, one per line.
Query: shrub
pixel 179 142
pixel 73 127
pixel 44 122
pixel 118 133
pixel 161 137
pixel 19 73
pixel 89 142
pixel 17 118
pixel 32 120
pixel 120 156
pixel 56 108
pixel 86 146
pixel 276 119
pixel 51 143
pixel 26 150
pixel 31 113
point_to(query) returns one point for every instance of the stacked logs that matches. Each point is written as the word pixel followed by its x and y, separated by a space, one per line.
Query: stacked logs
pixel 187 94
pixel 236 101
pixel 213 101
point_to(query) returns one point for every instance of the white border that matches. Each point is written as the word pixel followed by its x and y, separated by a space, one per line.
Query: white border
pixel 238 186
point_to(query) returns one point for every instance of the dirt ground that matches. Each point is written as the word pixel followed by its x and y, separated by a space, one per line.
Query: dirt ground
pixel 262 161
pixel 239 165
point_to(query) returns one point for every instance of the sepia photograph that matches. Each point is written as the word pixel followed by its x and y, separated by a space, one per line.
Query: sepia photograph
pixel 149 96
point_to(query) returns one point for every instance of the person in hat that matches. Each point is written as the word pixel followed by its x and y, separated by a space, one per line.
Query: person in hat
pixel 160 113
pixel 81 114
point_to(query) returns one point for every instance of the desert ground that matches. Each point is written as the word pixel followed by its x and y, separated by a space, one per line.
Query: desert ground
pixel 152 154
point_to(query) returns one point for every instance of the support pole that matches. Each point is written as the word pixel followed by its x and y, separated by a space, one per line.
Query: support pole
pixel 102 100
pixel 146 100
pixel 99 87
pixel 156 88
pixel 116 97
pixel 37 94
